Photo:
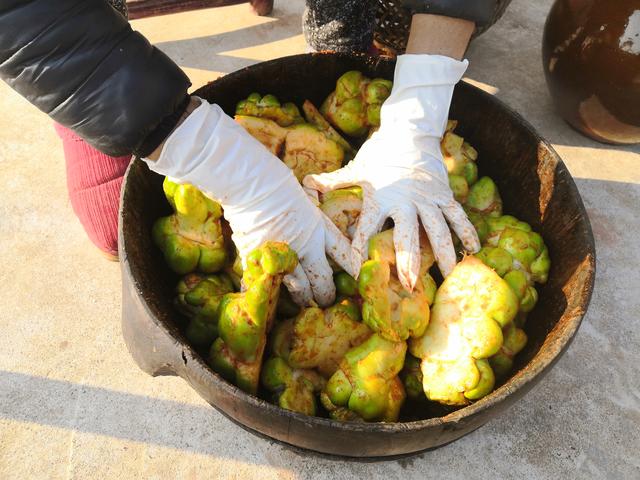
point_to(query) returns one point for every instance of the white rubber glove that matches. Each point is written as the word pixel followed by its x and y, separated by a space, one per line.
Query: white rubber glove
pixel 401 170
pixel 261 198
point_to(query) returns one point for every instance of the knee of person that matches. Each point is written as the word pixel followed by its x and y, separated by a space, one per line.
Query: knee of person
pixel 341 26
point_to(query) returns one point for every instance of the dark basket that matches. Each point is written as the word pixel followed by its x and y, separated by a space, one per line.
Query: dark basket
pixel 534 184
pixel 393 22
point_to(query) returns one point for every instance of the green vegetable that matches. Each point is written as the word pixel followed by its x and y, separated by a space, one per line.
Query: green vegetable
pixel 346 285
pixel 517 254
pixel 471 308
pixel 301 146
pixel 411 377
pixel 366 386
pixel 484 198
pixel 319 338
pixel 343 208
pixel 245 318
pixel 527 248
pixel 354 106
pixel 388 309
pixel 307 151
pixel 190 239
pixel 514 341
pixel 266 131
pixel 459 158
pixel 198 297
pixel 314 117
pixel 293 388
pixel 269 107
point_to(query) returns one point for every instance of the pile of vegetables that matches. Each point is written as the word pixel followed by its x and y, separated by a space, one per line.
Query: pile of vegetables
pixel 445 343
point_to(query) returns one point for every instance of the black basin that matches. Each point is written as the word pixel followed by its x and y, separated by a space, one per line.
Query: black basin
pixel 535 186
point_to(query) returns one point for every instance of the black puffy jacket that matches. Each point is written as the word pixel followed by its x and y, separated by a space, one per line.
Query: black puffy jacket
pixel 80 62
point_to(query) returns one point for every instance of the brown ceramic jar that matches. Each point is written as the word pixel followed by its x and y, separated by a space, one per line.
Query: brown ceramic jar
pixel 591 56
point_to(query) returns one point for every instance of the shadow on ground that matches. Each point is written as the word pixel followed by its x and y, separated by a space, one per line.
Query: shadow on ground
pixel 207 53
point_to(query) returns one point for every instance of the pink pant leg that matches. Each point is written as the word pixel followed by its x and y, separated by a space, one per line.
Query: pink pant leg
pixel 94 180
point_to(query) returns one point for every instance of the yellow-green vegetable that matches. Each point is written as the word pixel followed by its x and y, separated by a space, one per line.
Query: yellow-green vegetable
pixel 245 318
pixel 471 308
pixel 191 238
pixel 354 106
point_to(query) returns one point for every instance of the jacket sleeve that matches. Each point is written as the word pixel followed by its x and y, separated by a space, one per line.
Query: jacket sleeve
pixel 80 62
pixel 481 12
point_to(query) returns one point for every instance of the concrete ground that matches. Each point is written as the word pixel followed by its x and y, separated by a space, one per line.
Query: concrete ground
pixel 74 405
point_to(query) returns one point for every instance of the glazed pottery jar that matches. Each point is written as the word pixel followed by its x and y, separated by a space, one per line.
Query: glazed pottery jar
pixel 591 56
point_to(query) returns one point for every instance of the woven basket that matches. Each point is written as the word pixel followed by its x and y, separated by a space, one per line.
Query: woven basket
pixel 393 21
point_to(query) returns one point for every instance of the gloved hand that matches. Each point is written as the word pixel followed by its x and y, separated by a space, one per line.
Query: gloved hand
pixel 401 170
pixel 261 198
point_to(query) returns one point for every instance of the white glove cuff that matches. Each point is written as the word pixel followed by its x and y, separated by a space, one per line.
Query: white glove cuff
pixel 416 112
pixel 210 150
pixel 427 70
pixel 174 160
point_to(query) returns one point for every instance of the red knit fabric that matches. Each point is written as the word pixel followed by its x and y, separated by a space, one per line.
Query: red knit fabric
pixel 93 181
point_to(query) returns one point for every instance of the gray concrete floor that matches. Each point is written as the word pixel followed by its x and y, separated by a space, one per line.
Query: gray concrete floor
pixel 74 405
